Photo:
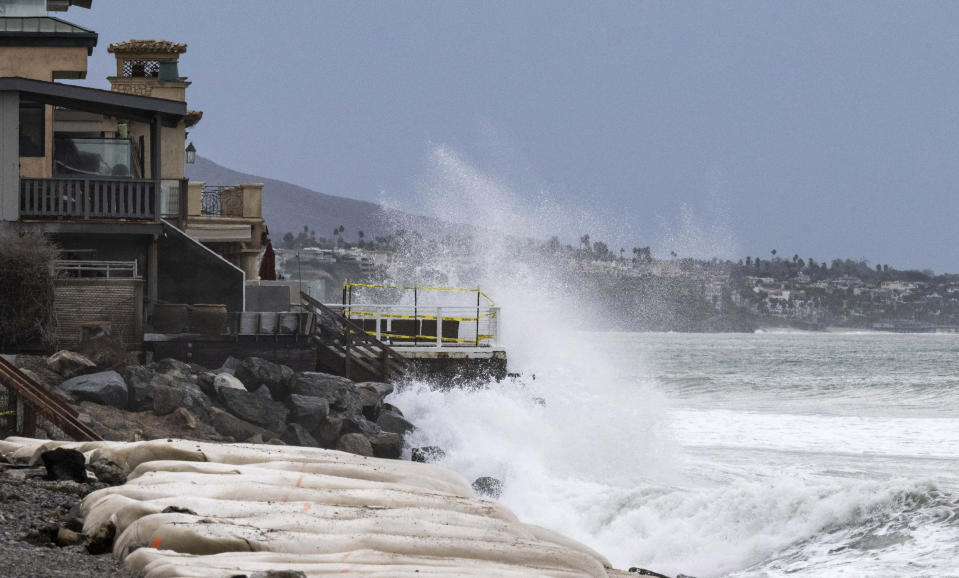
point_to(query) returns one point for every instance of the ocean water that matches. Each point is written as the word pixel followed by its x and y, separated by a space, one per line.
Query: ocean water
pixel 769 454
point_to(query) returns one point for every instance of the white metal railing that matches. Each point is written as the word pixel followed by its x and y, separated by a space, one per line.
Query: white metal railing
pixel 79 268
pixel 426 325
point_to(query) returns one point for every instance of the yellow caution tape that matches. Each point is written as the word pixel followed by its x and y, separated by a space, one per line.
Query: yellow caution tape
pixel 374 286
pixel 11 412
pixel 351 313
pixel 383 334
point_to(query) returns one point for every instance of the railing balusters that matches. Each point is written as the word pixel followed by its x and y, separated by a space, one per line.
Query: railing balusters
pixel 87 198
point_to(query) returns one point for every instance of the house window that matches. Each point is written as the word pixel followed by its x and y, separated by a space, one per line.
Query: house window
pixel 32 130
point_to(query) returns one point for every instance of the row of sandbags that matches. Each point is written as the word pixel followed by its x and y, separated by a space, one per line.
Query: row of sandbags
pixel 203 509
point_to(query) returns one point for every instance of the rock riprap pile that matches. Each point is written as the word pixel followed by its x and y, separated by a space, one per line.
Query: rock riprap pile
pixel 252 400
pixel 217 510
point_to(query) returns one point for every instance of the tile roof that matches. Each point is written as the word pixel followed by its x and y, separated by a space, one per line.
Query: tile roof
pixel 140 46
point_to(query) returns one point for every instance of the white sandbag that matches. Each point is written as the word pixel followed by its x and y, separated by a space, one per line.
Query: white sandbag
pixel 165 564
pixel 195 509
pixel 123 511
pixel 208 536
pixel 260 492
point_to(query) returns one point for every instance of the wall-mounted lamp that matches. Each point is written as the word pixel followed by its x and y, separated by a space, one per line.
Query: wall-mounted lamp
pixel 190 153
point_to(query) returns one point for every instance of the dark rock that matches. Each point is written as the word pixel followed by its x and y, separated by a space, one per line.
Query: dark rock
pixel 140 384
pixel 296 435
pixel 371 395
pixel 108 472
pixel 182 417
pixel 488 487
pixel 390 422
pixel 359 424
pixel 166 399
pixel 427 454
pixel 338 391
pixel 104 388
pixel 197 369
pixel 229 425
pixel 255 371
pixel 386 445
pixel 69 364
pixel 204 381
pixel 389 407
pixel 264 392
pixel 64 464
pixel 101 541
pixel 330 431
pixel 170 394
pixel 230 365
pixel 310 412
pixel 355 443
pixel 173 368
pixel 255 409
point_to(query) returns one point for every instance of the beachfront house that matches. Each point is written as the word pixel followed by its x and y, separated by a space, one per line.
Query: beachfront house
pixel 101 172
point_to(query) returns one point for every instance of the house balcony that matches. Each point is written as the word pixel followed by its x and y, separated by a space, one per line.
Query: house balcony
pixel 88 199
pixel 99 199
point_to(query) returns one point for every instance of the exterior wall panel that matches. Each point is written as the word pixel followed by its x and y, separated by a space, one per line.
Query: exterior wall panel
pixel 86 300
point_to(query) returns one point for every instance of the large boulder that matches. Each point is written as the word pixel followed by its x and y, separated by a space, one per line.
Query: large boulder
pixel 340 392
pixel 170 394
pixel 296 435
pixel 355 443
pixel 255 371
pixel 140 385
pixel 69 364
pixel 371 394
pixel 104 388
pixel 308 411
pixel 329 431
pixel 229 425
pixel 173 368
pixel 255 409
pixel 390 422
pixel 386 445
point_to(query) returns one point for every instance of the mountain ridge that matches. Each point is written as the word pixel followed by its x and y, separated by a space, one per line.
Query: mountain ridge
pixel 288 207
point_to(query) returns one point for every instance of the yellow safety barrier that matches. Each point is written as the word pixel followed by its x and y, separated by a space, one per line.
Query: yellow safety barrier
pixel 417 287
pixel 352 312
pixel 432 338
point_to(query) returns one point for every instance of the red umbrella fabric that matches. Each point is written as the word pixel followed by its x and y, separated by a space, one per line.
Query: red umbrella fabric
pixel 268 264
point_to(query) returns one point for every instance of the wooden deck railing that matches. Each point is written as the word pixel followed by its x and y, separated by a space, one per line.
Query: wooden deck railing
pixel 26 400
pixel 88 199
pixel 351 350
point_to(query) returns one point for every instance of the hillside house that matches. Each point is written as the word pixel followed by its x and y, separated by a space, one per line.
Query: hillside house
pixel 101 172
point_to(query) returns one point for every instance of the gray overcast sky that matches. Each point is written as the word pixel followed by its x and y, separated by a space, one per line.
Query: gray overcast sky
pixel 824 129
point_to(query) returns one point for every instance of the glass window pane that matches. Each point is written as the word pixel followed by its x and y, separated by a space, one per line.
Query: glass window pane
pixel 31 130
pixel 80 157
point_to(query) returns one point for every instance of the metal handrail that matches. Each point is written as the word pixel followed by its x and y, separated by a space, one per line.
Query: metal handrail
pixel 128 268
pixel 350 331
pixel 482 336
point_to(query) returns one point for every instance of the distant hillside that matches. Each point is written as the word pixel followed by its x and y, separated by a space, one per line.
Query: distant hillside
pixel 288 207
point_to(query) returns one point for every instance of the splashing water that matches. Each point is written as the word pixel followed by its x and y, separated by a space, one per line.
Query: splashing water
pixel 695 454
